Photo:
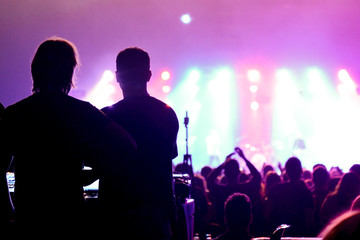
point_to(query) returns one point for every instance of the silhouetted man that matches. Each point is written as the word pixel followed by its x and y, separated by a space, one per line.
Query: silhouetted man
pixel 292 202
pixel 238 217
pixel 50 137
pixel 154 126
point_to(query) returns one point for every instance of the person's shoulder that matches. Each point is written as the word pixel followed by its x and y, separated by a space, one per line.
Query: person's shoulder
pixel 22 104
pixel 108 110
pixel 163 105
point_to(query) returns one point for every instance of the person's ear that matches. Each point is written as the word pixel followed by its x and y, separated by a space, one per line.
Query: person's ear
pixel 149 75
pixel 117 75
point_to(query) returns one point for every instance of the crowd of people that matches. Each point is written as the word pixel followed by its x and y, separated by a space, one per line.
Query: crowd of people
pixel 307 201
pixel 49 137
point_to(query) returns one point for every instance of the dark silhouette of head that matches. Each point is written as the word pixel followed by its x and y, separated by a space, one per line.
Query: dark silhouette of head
pixel 53 65
pixel 271 179
pixel 238 213
pixel 232 171
pixel 321 177
pixel 266 169
pixel 348 187
pixel 133 69
pixel 356 169
pixel 205 171
pixel 293 168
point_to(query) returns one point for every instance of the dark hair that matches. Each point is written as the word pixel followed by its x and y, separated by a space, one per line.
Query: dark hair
pixel 293 168
pixel 131 58
pixel 321 177
pixel 53 65
pixel 238 210
pixel 133 63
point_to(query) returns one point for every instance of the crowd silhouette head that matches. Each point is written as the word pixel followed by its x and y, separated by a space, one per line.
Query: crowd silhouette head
pixel 238 211
pixel 133 69
pixel 53 65
pixel 293 168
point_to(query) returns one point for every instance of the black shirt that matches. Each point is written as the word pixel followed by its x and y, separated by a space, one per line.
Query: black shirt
pixel 154 126
pixel 51 136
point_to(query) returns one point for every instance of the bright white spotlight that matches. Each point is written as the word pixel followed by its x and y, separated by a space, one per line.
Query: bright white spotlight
pixel 186 18
pixel 100 95
pixel 108 76
pixel 165 75
pixel 254 105
pixel 253 88
pixel 166 89
pixel 345 78
pixel 283 75
pixel 253 75
pixel 224 74
pixel 194 76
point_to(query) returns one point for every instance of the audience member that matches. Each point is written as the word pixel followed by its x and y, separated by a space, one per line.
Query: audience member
pixel 340 200
pixel 356 169
pixel 205 171
pixel 321 179
pixel 291 202
pixel 220 192
pixel 344 227
pixel 238 216
pixel 51 136
pixel 271 179
pixel 154 125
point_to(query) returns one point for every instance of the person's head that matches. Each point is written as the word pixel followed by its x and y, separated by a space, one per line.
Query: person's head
pixel 293 168
pixel 53 65
pixel 205 171
pixel 232 170
pixel 349 186
pixel 238 213
pixel 133 69
pixel 271 179
pixel 320 177
pixel 356 169
pixel 344 227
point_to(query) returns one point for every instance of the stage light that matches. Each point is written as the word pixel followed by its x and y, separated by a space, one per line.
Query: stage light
pixel 254 105
pixel 253 75
pixel 253 88
pixel 283 75
pixel 101 95
pixel 346 79
pixel 194 76
pixel 166 89
pixel 186 18
pixel 108 76
pixel 165 75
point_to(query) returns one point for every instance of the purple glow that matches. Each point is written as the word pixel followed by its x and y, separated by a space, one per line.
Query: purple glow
pixel 264 44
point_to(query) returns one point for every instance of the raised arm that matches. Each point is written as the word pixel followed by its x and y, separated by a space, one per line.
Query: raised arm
pixel 211 180
pixel 256 177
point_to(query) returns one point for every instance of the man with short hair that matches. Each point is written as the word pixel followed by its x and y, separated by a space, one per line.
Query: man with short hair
pixel 154 126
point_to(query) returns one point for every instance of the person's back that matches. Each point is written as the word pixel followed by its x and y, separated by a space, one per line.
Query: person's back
pixel 292 203
pixel 341 199
pixel 50 137
pixel 154 126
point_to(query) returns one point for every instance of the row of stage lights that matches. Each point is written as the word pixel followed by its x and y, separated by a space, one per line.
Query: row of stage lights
pixel 106 86
pixel 346 83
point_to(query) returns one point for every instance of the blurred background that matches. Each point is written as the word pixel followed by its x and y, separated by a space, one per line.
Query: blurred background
pixel 275 77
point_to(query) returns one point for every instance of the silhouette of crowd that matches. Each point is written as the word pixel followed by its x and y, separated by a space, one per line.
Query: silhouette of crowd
pixel 48 138
pixel 307 201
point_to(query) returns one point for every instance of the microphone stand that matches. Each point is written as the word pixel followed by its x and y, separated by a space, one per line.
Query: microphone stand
pixel 187 156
